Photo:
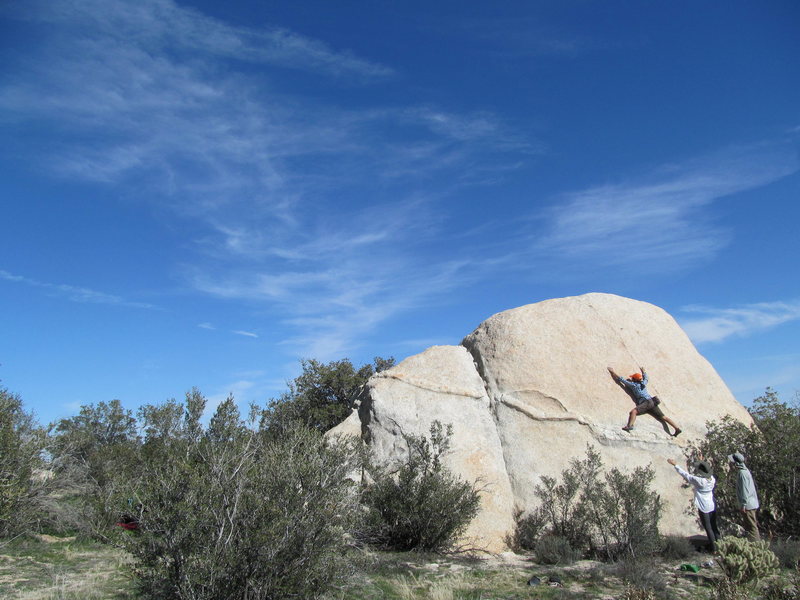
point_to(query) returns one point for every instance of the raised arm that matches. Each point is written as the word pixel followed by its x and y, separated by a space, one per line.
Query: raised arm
pixel 687 476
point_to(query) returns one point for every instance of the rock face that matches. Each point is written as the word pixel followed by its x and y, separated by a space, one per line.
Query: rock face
pixel 528 390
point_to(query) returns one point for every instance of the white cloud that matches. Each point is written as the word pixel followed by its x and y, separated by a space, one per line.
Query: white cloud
pixel 126 105
pixel 245 333
pixel 523 37
pixel 222 146
pixel 75 293
pixel 660 221
pixel 164 23
pixel 718 324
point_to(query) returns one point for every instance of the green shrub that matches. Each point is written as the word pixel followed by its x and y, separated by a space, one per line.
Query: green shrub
pixel 788 552
pixel 642 576
pixel 611 514
pixel 676 547
pixel 725 589
pixel 771 447
pixel 88 452
pixel 554 550
pixel 419 505
pixel 529 527
pixel 625 513
pixel 637 593
pixel 323 395
pixel 226 511
pixel 780 590
pixel 563 504
pixel 24 482
pixel 746 562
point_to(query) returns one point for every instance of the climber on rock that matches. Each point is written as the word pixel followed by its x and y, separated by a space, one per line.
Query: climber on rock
pixel 636 387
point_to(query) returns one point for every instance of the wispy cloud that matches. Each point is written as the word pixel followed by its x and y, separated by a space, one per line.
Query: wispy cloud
pixel 522 37
pixel 660 220
pixel 315 213
pixel 336 303
pixel 164 23
pixel 718 324
pixel 241 332
pixel 122 104
pixel 76 293
pixel 217 142
pixel 245 333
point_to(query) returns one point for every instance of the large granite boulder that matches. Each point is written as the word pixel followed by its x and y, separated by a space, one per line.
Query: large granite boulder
pixel 528 390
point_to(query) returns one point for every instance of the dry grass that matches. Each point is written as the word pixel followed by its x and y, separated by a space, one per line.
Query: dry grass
pixel 66 569
pixel 50 568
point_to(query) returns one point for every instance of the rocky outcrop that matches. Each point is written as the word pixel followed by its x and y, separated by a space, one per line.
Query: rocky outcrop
pixel 528 390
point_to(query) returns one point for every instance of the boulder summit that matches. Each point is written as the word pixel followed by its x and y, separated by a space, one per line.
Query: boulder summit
pixel 528 390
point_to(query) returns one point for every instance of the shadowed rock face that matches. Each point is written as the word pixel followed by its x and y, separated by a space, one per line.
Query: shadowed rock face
pixel 528 390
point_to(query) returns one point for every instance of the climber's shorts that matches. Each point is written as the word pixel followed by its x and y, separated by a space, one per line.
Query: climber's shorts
pixel 650 407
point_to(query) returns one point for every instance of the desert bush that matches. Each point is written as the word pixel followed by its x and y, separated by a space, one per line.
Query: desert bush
pixel 563 503
pixel 226 511
pixel 781 589
pixel 529 527
pixel 24 480
pixel 554 550
pixel 323 395
pixel 625 513
pixel 788 552
pixel 725 589
pixel 641 576
pixel 99 438
pixel 771 447
pixel 419 505
pixel 610 514
pixel 637 593
pixel 88 453
pixel 745 562
pixel 676 547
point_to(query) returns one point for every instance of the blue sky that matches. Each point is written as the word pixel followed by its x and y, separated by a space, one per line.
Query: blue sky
pixel 201 193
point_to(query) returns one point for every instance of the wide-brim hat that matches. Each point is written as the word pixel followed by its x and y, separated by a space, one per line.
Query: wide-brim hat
pixel 703 468
pixel 736 457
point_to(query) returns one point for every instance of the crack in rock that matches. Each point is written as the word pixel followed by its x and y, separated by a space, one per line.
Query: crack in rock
pixel 427 386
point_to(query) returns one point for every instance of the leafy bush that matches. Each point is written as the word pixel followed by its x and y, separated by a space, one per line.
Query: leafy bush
pixel 563 504
pixel 788 552
pixel 746 562
pixel 554 550
pixel 771 448
pixel 725 589
pixel 613 514
pixel 420 505
pixel 782 590
pixel 226 511
pixel 642 577
pixel 636 593
pixel 625 513
pixel 88 452
pixel 323 395
pixel 676 547
pixel 529 527
pixel 24 482
pixel 98 439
